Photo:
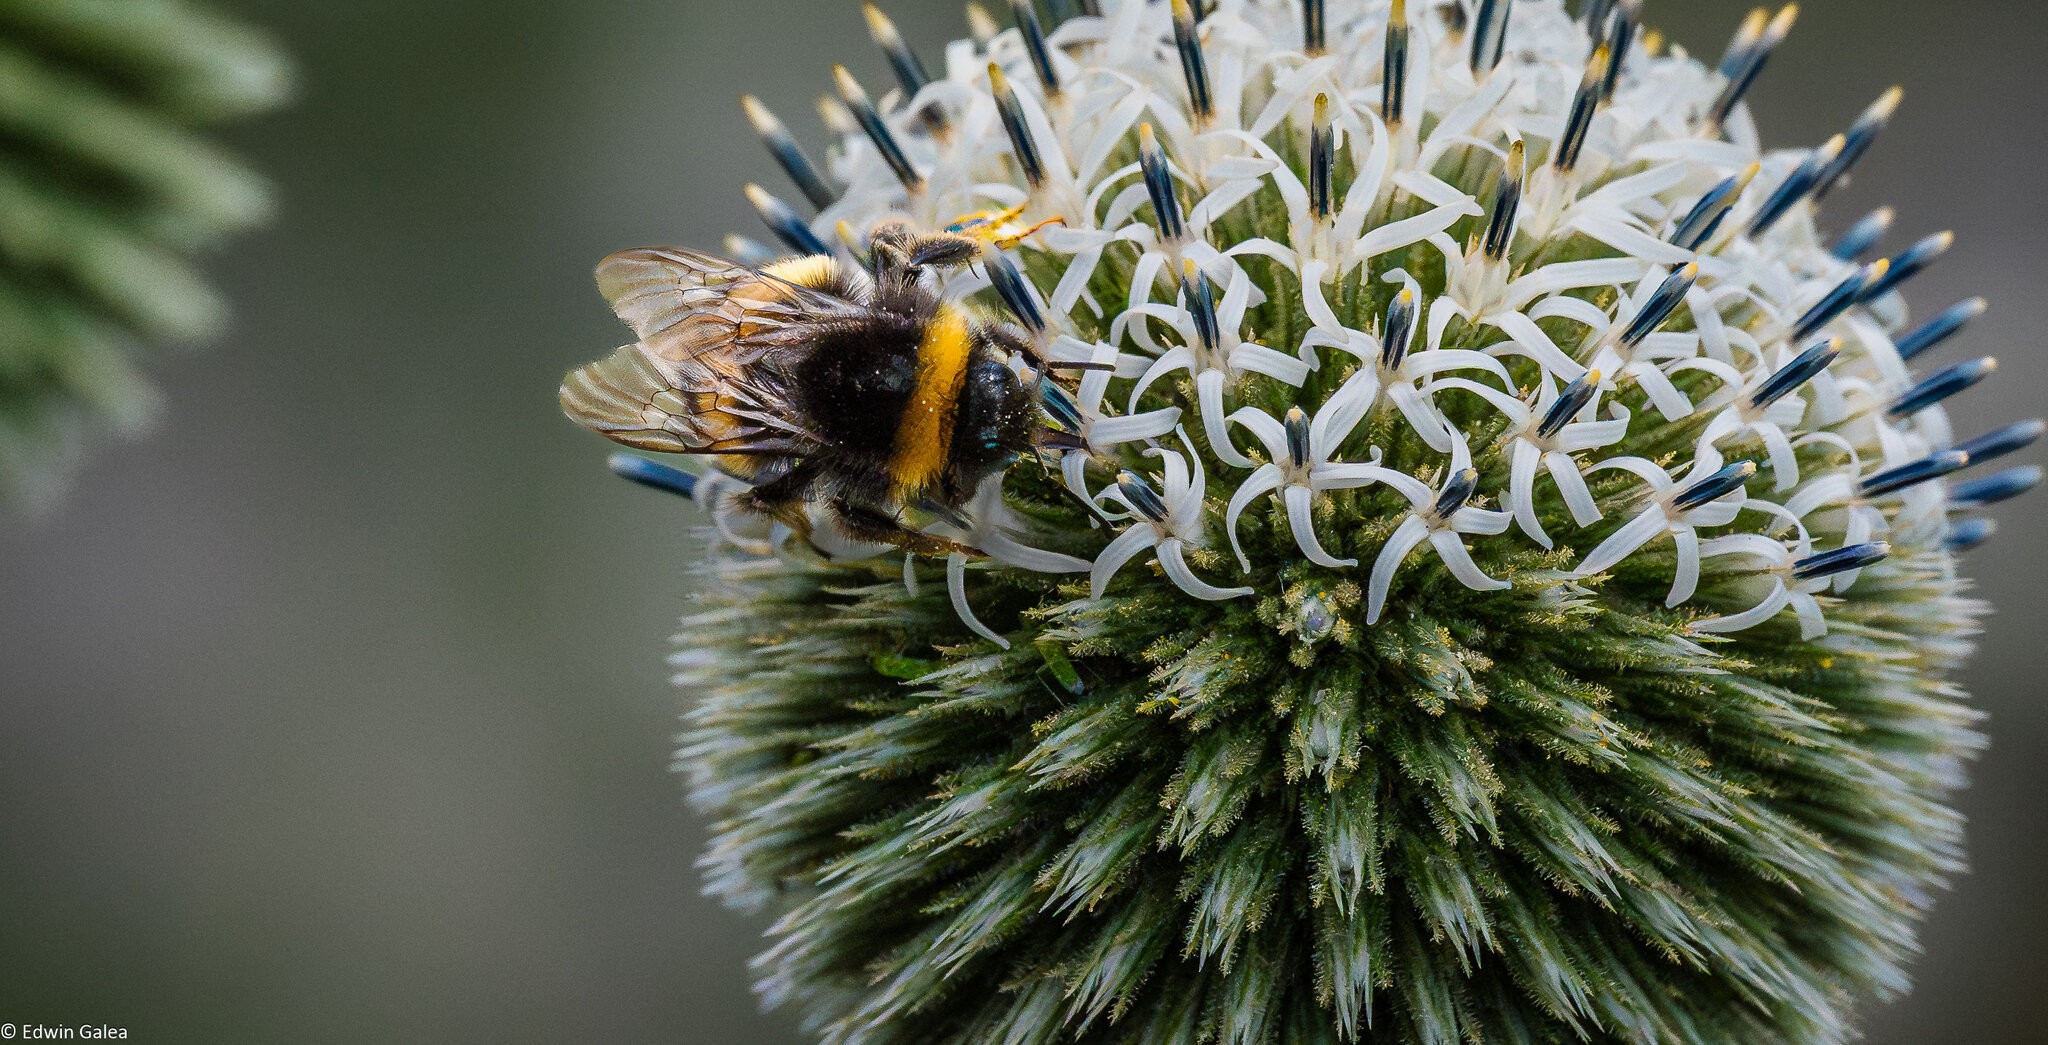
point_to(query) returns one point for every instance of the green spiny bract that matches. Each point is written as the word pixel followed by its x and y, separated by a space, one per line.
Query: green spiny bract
pixel 1560 765
pixel 106 187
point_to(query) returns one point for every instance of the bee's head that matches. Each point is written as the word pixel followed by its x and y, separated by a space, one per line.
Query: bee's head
pixel 995 420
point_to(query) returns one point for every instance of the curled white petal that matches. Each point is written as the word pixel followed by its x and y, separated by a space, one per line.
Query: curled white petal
pixel 1262 481
pixel 1764 610
pixel 1410 533
pixel 1120 551
pixel 956 587
pixel 1459 561
pixel 1175 563
pixel 1300 502
pixel 1633 534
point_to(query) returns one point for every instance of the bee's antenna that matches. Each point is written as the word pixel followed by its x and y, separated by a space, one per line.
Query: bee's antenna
pixel 1080 365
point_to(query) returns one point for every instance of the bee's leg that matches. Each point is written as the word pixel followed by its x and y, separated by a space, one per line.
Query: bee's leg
pixel 783 498
pixel 942 250
pixel 863 523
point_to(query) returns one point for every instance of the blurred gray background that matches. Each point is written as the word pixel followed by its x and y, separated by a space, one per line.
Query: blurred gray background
pixel 334 710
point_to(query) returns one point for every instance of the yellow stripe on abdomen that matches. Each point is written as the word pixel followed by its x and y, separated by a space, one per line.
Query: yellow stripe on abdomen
pixel 925 436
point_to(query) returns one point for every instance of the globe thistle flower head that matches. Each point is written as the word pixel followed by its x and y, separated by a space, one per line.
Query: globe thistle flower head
pixel 1491 570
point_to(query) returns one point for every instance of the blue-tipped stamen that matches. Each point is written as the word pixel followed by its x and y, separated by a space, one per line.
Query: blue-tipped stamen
pixel 1060 406
pixel 1296 425
pixel 1663 301
pixel 836 117
pixel 1200 297
pixel 1621 35
pixel 1141 496
pixel 1704 219
pixel 1861 134
pixel 870 120
pixel 1840 560
pixel 1970 534
pixel 1714 487
pixel 1033 32
pixel 1398 329
pixel 1746 36
pixel 1803 368
pixel 1907 263
pixel 1187 38
pixel 1322 157
pixel 1012 112
pixel 1314 26
pixel 1507 200
pixel 1940 385
pixel 1863 236
pixel 909 70
pixel 1490 33
pixel 1892 480
pixel 1458 490
pixel 1394 66
pixel 653 474
pixel 1016 293
pixel 1595 14
pixel 1920 339
pixel 748 251
pixel 1569 402
pixel 982 27
pixel 788 154
pixel 782 219
pixel 1585 104
pixel 1159 185
pixel 1749 63
pixel 1996 444
pixel 1795 187
pixel 1993 488
pixel 1837 301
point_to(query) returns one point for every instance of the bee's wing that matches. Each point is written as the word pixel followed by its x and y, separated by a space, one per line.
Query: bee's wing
pixel 662 291
pixel 709 374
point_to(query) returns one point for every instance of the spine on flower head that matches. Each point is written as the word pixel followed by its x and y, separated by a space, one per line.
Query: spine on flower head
pixel 1803 368
pixel 1908 263
pixel 1621 35
pixel 1863 236
pixel 1704 219
pixel 1159 185
pixel 1394 66
pixel 788 154
pixel 1490 33
pixel 1314 27
pixel 1858 140
pixel 1940 385
pixel 1194 66
pixel 1795 187
pixel 1012 112
pixel 1913 473
pixel 782 220
pixel 878 132
pixel 1585 104
pixel 1740 69
pixel 1507 201
pixel 1940 328
pixel 1322 157
pixel 1035 45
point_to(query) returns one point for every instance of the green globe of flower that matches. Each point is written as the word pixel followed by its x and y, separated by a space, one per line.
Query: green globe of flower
pixel 1498 581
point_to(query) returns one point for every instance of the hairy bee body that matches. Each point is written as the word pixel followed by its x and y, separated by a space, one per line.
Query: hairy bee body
pixel 859 391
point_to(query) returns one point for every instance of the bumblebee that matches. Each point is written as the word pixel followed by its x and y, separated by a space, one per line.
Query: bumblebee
pixel 857 389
